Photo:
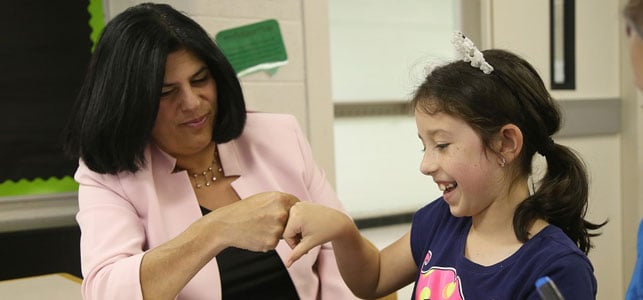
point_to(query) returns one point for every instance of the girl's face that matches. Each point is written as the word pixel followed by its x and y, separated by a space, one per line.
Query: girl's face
pixel 187 107
pixel 636 55
pixel 469 175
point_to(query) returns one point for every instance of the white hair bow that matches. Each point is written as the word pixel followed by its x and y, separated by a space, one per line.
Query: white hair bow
pixel 470 53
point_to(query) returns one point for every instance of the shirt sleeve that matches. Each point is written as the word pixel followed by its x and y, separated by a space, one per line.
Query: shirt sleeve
pixel 573 275
pixel 112 239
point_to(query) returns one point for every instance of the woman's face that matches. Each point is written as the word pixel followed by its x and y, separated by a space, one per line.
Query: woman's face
pixel 187 107
pixel 636 55
pixel 454 155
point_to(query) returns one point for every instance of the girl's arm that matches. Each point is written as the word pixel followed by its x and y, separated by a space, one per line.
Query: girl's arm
pixel 367 271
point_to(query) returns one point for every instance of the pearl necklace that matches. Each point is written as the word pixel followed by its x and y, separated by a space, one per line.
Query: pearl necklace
pixel 208 175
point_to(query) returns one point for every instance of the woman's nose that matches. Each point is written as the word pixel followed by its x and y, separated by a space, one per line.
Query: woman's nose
pixel 190 99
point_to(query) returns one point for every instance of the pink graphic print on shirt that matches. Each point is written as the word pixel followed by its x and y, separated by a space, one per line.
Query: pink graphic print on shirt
pixel 437 283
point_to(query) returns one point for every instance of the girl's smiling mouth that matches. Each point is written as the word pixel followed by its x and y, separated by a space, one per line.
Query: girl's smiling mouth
pixel 447 187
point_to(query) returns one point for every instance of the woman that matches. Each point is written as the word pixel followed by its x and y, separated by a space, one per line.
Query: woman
pixel 175 177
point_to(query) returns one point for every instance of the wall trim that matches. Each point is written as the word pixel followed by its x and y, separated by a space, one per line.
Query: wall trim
pixel 363 109
pixel 590 117
pixel 384 220
pixel 38 211
pixel 581 117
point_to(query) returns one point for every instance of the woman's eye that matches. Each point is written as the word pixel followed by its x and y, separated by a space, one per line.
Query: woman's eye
pixel 441 146
pixel 201 79
pixel 165 93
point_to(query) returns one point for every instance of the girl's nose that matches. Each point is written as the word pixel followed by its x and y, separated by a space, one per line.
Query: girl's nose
pixel 428 165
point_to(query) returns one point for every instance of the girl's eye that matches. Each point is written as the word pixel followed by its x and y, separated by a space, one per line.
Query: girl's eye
pixel 441 146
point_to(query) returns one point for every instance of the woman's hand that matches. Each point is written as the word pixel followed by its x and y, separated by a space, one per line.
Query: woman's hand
pixel 310 225
pixel 256 223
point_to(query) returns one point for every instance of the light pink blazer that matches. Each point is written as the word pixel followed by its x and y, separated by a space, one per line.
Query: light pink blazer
pixel 121 216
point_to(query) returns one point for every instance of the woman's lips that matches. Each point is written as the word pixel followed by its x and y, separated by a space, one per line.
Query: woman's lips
pixel 196 123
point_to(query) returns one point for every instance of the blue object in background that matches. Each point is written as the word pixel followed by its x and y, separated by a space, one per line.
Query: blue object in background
pixel 547 289
pixel 635 290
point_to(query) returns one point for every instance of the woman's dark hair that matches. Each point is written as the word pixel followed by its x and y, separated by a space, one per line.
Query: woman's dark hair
pixel 633 14
pixel 112 119
pixel 514 94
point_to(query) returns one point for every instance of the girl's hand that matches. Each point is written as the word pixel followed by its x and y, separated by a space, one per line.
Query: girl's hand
pixel 310 225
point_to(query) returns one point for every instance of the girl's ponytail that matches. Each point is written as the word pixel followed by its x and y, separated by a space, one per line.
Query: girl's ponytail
pixel 561 198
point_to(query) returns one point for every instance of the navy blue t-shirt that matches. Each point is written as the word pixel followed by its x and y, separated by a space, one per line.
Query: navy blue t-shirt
pixel 438 242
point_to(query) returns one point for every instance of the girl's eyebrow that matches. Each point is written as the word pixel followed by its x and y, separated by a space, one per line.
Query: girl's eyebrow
pixel 432 133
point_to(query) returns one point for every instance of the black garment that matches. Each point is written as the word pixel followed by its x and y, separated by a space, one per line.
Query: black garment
pixel 253 275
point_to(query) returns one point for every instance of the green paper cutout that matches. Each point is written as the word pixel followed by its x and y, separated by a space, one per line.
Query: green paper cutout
pixel 38 186
pixel 96 20
pixel 254 47
pixel 272 71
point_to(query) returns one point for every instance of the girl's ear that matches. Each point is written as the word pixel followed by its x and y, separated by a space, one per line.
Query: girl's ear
pixel 509 142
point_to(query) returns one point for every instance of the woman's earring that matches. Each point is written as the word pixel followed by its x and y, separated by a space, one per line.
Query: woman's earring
pixel 503 161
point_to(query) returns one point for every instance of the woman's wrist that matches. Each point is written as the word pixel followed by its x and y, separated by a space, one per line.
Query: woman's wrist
pixel 211 234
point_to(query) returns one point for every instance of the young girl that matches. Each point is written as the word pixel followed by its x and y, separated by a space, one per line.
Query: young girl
pixel 481 121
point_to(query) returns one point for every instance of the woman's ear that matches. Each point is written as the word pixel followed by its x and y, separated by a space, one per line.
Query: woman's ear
pixel 509 142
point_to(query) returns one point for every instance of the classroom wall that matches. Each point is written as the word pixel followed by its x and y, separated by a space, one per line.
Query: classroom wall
pixel 379 55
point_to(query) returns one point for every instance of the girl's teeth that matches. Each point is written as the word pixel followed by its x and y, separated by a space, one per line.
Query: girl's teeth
pixel 444 187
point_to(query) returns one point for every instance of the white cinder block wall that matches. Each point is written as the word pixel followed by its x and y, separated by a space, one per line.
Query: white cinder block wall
pixel 302 87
